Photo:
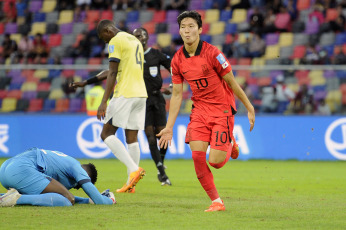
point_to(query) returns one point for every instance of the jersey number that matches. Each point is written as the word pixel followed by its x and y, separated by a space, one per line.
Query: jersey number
pixel 222 137
pixel 201 83
pixel 138 57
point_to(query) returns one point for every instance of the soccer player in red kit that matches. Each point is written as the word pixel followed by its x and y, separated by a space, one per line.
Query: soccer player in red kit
pixel 213 86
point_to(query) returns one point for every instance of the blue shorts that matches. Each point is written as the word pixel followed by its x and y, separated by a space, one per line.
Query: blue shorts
pixel 22 174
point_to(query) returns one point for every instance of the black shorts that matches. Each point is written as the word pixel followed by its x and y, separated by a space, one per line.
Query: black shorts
pixel 155 114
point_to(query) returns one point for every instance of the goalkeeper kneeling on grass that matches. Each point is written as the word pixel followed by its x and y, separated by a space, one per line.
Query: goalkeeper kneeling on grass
pixel 43 178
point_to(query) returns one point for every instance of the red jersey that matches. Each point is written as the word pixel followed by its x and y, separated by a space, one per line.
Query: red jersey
pixel 210 93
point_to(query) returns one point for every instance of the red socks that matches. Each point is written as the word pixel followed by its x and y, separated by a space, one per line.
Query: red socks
pixel 204 174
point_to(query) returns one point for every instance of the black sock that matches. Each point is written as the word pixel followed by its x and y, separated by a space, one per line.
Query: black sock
pixel 163 152
pixel 155 154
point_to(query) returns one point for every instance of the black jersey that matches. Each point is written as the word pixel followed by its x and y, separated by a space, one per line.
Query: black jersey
pixel 152 74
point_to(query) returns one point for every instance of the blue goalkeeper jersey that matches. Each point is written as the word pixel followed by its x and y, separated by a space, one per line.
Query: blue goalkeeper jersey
pixel 63 168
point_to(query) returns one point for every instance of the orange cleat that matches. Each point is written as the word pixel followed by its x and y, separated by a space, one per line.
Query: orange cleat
pixel 134 178
pixel 132 190
pixel 235 149
pixel 216 206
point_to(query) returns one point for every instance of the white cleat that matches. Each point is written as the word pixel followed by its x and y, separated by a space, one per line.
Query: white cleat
pixel 10 198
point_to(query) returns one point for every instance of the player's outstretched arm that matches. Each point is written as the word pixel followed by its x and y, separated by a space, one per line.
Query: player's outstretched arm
pixel 99 77
pixel 167 133
pixel 95 195
pixel 238 91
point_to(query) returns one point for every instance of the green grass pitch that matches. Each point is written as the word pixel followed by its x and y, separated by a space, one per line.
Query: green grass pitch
pixel 258 194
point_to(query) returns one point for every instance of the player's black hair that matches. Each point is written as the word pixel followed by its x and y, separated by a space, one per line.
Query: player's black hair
pixel 92 172
pixel 103 24
pixel 191 14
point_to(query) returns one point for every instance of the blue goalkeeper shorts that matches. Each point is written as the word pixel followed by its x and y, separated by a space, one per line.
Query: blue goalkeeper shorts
pixel 22 174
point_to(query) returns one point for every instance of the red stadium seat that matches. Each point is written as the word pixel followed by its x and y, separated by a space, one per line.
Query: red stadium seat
pixel 35 105
pixel 205 28
pixel 299 52
pixel 62 105
pixel 244 73
pixel 159 16
pixel 92 16
pixel 3 93
pixel 301 74
pixel 83 106
pixel 78 38
pixel 303 5
pixel 107 14
pixel 17 93
pixel 43 86
pixel 28 73
pixel 68 73
pixel 54 40
pixel 202 13
pixel 94 61
pixel 244 61
pixel 331 14
pixel 232 61
pixel 2 28
pixel 150 27
pixel 343 88
pixel 264 81
pixel 344 48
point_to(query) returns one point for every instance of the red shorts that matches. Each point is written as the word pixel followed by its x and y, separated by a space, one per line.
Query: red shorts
pixel 215 130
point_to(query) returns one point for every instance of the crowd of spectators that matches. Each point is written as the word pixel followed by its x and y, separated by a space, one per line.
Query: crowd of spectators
pixel 272 16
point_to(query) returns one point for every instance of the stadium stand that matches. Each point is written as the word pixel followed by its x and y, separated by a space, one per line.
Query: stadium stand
pixel 297 36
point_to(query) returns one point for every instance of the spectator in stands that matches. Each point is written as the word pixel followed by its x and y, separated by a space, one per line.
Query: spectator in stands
pixel 22 8
pixel 340 58
pixel 256 21
pixel 11 13
pixel 9 48
pixel 122 26
pixel 256 47
pixel 303 102
pixel 283 94
pixel 40 48
pixel 122 4
pixel 220 4
pixel 311 56
pixel 241 49
pixel 25 48
pixel 65 5
pixel 152 4
pixel 83 4
pixel 292 9
pixel 83 48
pixel 269 103
pixel 79 14
pixel 243 4
pixel 256 3
pixel 317 14
pixel 269 21
pixel 275 5
pixel 180 5
pixel 171 49
pixel 323 108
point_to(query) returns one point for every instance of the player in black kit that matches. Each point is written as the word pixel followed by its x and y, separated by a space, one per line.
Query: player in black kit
pixel 155 118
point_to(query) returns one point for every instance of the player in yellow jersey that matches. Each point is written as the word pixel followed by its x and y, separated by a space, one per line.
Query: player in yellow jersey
pixel 127 107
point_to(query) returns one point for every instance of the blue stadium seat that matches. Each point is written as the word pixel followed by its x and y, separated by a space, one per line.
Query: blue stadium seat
pixel 39 17
pixel 225 15
pixel 207 4
pixel 48 105
pixel 132 16
pixel 231 28
pixel 206 37
pixel 340 39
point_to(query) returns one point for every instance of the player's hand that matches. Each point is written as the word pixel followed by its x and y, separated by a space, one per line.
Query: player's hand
pixel 251 117
pixel 166 137
pixel 167 91
pixel 101 111
pixel 109 194
pixel 75 85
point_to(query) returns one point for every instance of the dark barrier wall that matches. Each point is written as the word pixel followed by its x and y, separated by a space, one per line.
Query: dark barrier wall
pixel 274 137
